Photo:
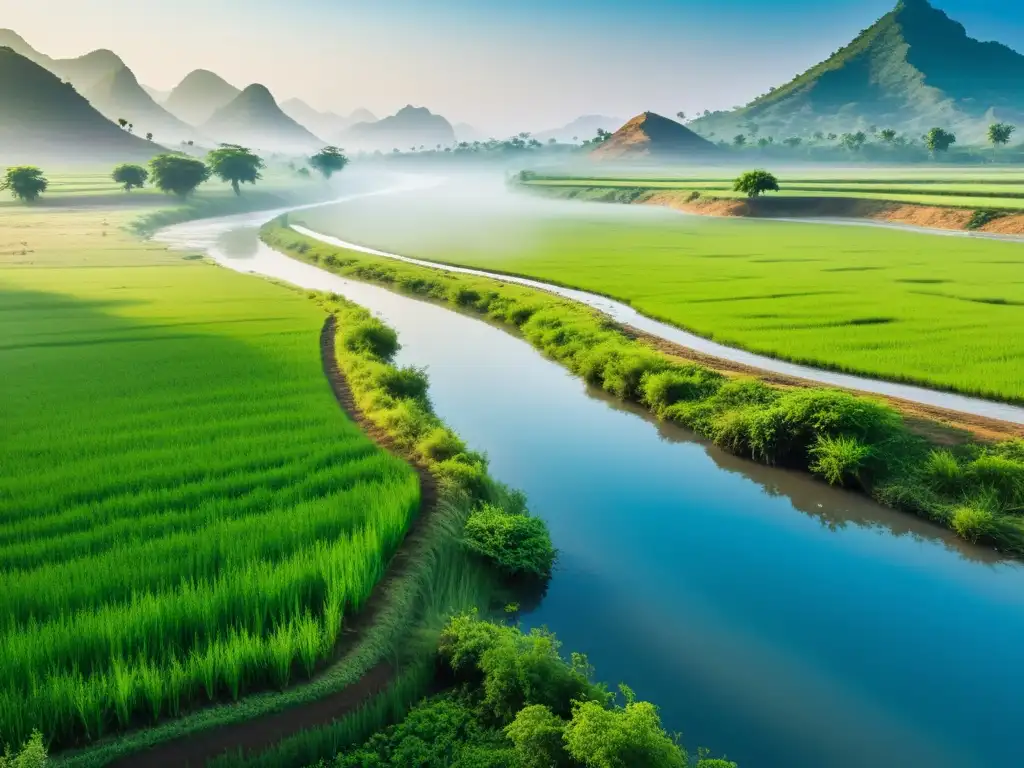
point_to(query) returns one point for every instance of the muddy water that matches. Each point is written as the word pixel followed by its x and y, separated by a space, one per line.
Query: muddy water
pixel 772 618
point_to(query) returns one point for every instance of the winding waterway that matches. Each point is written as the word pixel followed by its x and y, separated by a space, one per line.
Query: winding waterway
pixel 775 619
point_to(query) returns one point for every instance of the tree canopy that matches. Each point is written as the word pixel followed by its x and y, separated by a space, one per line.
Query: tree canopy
pixel 235 165
pixel 939 140
pixel 999 134
pixel 755 183
pixel 329 161
pixel 130 176
pixel 24 182
pixel 177 174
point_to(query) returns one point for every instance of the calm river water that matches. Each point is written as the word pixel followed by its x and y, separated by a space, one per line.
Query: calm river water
pixel 773 619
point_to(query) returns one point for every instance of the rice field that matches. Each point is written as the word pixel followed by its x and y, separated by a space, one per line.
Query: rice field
pixel 945 312
pixel 1003 191
pixel 185 512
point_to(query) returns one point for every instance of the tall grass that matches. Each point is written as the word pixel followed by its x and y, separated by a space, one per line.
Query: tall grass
pixel 186 516
pixel 852 440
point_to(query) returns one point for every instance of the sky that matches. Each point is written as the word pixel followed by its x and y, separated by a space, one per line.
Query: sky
pixel 501 67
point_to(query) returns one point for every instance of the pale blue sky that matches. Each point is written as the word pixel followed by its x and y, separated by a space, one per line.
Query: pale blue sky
pixel 528 65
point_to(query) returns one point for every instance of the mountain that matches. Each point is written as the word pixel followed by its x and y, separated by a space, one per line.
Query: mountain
pixel 653 136
pixel 198 96
pixel 409 127
pixel 913 69
pixel 45 120
pixel 581 128
pixel 362 115
pixel 119 96
pixel 320 123
pixel 156 94
pixel 255 120
pixel 83 72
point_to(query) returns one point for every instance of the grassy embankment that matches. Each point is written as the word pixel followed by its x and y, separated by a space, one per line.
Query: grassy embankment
pixel 978 491
pixel 187 515
pixel 942 312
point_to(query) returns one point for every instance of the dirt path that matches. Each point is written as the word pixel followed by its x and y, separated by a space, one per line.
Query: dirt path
pixel 264 731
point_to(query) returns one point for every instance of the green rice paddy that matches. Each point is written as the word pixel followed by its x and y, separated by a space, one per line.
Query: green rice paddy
pixel 185 512
pixel 946 312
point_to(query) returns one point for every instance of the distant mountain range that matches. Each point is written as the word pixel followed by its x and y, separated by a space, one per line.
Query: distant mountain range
pixel 651 136
pixel 580 129
pixel 43 119
pixel 913 69
pixel 254 119
pixel 324 123
pixel 199 95
pixel 118 95
pixel 407 128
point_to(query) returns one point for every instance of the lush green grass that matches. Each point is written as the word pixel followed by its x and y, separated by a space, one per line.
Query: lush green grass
pixel 940 311
pixel 846 440
pixel 185 512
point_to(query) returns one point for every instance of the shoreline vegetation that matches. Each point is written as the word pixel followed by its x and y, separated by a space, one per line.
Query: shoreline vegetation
pixel 975 489
pixel 963 214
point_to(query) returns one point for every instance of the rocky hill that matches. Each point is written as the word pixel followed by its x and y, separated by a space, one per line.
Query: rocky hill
pixel 199 95
pixel 651 136
pixel 119 96
pixel 254 119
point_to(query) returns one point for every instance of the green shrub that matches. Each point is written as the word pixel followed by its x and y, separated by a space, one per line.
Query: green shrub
pixel 31 755
pixel 983 216
pixel 1003 476
pixel 623 737
pixel 371 337
pixel 973 522
pixel 942 472
pixel 623 373
pixel 517 544
pixel 840 460
pixel 668 387
pixel 537 735
pixel 441 444
pixel 400 383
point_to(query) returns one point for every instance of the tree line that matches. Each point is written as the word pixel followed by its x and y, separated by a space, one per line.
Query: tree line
pixel 177 174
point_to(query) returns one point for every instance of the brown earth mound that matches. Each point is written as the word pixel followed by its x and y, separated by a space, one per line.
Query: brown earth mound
pixel 651 135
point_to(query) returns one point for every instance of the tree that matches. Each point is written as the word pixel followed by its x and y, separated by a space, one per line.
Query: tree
pixel 537 734
pixel 999 133
pixel 177 174
pixel 763 142
pixel 755 183
pixel 122 122
pixel 602 136
pixel 939 140
pixel 328 161
pixel 25 182
pixel 819 136
pixel 739 140
pixel 793 142
pixel 31 755
pixel 888 135
pixel 853 141
pixel 832 137
pixel 149 137
pixel 130 176
pixel 236 165
pixel 681 115
pixel 622 737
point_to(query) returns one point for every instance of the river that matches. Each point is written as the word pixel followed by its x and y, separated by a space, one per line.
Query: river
pixel 772 618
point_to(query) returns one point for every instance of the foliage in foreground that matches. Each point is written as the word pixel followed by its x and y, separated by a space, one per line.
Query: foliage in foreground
pixel 518 703
pixel 846 439
pixel 31 755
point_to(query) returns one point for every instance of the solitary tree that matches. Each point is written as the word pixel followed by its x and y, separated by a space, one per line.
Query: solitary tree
pixel 739 140
pixel 888 135
pixel 329 161
pixel 130 176
pixel 149 137
pixel 754 183
pixel 25 182
pixel 939 140
pixel 999 133
pixel 177 174
pixel 236 165
pixel 122 122
pixel 681 115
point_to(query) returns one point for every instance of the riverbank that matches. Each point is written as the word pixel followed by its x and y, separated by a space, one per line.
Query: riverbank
pixel 847 440
pixel 978 220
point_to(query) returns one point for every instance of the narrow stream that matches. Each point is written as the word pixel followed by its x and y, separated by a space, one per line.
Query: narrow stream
pixel 772 618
